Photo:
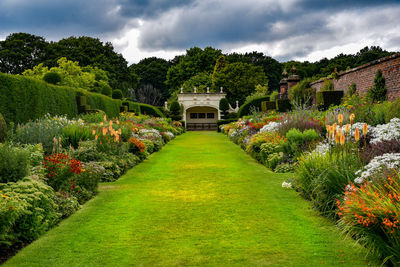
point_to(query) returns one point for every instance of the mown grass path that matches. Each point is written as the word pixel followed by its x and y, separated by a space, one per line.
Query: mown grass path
pixel 200 201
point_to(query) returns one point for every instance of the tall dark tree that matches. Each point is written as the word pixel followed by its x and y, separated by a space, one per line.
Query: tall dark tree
pixel 153 71
pixel 195 61
pixel 272 68
pixel 21 51
pixel 91 51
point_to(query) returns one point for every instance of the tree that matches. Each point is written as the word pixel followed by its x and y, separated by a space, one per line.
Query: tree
pixel 224 107
pixel 91 51
pixel 201 81
pixel 219 66
pixel 153 71
pixel 239 80
pixel 378 91
pixel 175 111
pixel 272 68
pixel 21 51
pixel 148 94
pixel 195 61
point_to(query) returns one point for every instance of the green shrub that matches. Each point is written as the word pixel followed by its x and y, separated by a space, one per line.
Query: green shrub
pixel 394 110
pixel 224 107
pixel 268 105
pixel 117 94
pixel 27 211
pixel 150 110
pixel 93 117
pixel 3 129
pixel 351 90
pixel 175 111
pixel 378 91
pixel 299 141
pixel 283 105
pixel 380 111
pixel 66 204
pixel 274 96
pixel 254 103
pixel 301 94
pixel 52 77
pixel 322 178
pixel 106 90
pixel 19 94
pixel 14 163
pixel 327 85
pixel 87 151
pixel 325 99
pixel 73 134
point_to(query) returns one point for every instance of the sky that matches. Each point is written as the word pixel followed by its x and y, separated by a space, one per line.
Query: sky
pixel 283 29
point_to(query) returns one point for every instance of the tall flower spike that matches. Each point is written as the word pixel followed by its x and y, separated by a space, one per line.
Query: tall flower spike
pixel 342 139
pixel 340 119
pixel 337 138
pixel 347 128
pixel 352 116
pixel 365 129
pixel 356 134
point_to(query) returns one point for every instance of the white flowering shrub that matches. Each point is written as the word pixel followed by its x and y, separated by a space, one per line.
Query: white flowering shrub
pixel 270 127
pixel 376 165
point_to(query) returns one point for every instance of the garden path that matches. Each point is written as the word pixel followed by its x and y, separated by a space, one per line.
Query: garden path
pixel 199 201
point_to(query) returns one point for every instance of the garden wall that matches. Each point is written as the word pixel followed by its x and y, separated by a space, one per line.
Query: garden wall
pixel 363 76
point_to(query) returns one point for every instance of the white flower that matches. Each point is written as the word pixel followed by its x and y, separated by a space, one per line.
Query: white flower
pixel 286 185
pixel 270 127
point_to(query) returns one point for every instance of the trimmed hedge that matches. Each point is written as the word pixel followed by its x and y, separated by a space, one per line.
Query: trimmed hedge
pixel 150 110
pixel 222 122
pixel 324 99
pixel 268 105
pixel 256 102
pixel 283 105
pixel 23 99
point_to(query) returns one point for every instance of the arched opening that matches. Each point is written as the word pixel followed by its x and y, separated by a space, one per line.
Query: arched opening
pixel 201 118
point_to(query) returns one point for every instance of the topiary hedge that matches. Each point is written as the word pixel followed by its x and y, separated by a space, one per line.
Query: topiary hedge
pixel 150 110
pixel 283 105
pixel 324 99
pixel 255 102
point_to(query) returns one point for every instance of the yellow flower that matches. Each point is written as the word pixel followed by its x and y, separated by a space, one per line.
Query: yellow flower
pixel 340 119
pixel 347 129
pixel 342 139
pixel 352 116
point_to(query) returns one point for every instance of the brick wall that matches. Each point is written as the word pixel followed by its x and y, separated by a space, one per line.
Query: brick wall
pixel 364 75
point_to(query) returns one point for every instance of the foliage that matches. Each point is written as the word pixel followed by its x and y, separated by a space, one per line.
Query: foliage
pixel 153 71
pixel 301 141
pixel 361 107
pixel 323 177
pixel 371 213
pixel 380 111
pixel 301 93
pixel 327 85
pixel 332 114
pixel 117 94
pixel 201 81
pixel 195 60
pixel 3 129
pixel 19 94
pixel 21 51
pixel 351 90
pixel 175 111
pixel 373 150
pixel 87 152
pixel 14 163
pixel 27 210
pixel 325 99
pixel 66 204
pixel 224 107
pixel 239 80
pixel 52 77
pixel 302 121
pixel 73 134
pixel 150 110
pixel 254 102
pixel 92 117
pixel 378 91
pixel 274 138
pixel 274 95
pixel 394 110
pixel 219 66
pixel 271 67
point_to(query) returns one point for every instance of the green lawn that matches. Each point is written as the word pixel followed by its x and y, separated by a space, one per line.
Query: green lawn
pixel 200 201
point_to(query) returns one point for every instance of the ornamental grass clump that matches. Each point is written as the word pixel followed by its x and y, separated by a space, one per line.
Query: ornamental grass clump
pixel 371 213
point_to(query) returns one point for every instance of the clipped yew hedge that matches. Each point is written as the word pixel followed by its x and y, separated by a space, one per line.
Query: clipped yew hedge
pixel 255 102
pixel 23 99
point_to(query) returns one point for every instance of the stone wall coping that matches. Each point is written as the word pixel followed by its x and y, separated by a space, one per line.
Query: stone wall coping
pixel 369 64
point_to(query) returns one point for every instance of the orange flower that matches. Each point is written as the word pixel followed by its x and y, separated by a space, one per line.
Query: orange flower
pixel 342 139
pixel 340 119
pixel 357 134
pixel 104 130
pixel 352 116
pixel 95 138
pixel 365 129
pixel 94 132
pixel 105 117
pixel 111 122
pixel 337 138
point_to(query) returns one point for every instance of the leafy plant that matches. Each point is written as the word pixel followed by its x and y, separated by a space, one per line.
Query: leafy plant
pixel 3 129
pixel 394 110
pixel 327 85
pixel 371 214
pixel 14 163
pixel 117 94
pixel 378 91
pixel 73 134
pixel 351 90
pixel 224 107
pixel 301 93
pixel 52 77
pixel 299 141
